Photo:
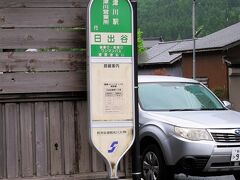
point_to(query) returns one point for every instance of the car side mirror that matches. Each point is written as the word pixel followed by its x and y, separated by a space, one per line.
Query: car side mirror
pixel 227 104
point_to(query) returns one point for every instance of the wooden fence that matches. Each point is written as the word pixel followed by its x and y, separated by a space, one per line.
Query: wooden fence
pixel 43 108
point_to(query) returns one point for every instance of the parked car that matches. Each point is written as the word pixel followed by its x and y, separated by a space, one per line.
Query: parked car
pixel 185 128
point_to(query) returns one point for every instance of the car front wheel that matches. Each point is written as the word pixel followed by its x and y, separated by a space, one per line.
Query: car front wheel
pixel 153 166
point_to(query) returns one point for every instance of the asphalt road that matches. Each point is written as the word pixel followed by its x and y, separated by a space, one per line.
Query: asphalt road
pixel 183 177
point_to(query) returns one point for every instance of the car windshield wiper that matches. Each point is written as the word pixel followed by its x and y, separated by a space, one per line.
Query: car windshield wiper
pixel 201 109
pixel 213 109
pixel 185 109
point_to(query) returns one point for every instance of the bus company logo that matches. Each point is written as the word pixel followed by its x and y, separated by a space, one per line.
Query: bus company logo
pixel 113 147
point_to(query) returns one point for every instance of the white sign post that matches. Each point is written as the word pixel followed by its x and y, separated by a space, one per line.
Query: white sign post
pixel 111 79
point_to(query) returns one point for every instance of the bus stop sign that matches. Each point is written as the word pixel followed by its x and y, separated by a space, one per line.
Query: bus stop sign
pixel 111 79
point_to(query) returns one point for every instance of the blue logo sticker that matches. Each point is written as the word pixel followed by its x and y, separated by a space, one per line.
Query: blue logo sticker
pixel 237 132
pixel 113 147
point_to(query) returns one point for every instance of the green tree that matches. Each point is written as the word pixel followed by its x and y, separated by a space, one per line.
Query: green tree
pixel 140 42
pixel 172 19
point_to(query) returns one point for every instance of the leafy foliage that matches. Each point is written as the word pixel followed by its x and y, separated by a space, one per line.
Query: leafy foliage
pixel 140 42
pixel 172 19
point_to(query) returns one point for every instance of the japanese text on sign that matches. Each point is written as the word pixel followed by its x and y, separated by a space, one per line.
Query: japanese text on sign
pixel 114 12
pixel 114 100
pixel 111 38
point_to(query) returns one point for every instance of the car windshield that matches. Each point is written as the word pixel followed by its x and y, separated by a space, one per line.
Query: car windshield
pixel 174 96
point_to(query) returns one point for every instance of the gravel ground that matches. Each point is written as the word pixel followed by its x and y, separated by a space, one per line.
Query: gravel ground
pixel 183 177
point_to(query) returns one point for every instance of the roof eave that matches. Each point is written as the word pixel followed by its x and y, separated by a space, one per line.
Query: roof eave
pixel 197 50
pixel 161 63
pixel 222 48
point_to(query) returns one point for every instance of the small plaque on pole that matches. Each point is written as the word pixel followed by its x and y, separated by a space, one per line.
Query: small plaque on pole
pixel 111 79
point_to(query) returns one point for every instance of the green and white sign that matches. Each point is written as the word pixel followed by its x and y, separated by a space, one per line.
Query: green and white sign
pixel 111 28
pixel 111 79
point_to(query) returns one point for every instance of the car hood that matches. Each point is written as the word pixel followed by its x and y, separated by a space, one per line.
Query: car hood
pixel 198 119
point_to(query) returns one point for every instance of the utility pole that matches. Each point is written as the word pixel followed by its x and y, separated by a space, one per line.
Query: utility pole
pixel 194 39
pixel 136 167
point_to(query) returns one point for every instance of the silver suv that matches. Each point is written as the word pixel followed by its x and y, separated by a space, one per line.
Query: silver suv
pixel 185 128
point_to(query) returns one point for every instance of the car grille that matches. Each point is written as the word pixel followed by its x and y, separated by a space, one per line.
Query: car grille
pixel 226 137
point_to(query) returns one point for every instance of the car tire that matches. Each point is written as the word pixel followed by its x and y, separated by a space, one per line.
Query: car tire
pixel 153 165
pixel 237 175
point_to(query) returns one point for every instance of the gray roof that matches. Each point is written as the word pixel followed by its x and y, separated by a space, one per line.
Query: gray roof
pixel 159 54
pixel 220 40
pixel 170 52
pixel 149 43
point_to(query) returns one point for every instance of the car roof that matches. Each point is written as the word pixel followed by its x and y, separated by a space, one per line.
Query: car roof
pixel 153 78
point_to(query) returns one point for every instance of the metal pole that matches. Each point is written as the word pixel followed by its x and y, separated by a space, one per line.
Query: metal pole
pixel 136 167
pixel 194 39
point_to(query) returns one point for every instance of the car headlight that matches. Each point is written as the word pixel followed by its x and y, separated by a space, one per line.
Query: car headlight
pixel 193 134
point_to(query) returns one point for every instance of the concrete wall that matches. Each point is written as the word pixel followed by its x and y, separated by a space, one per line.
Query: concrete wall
pixel 234 87
pixel 233 56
